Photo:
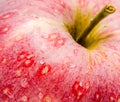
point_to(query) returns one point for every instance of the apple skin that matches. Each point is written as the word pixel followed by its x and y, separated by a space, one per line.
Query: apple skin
pixel 40 61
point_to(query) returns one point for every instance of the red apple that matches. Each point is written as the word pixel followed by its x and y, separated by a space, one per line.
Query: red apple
pixel 59 51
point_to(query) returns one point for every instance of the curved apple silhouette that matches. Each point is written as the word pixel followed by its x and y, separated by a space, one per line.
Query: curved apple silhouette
pixel 59 51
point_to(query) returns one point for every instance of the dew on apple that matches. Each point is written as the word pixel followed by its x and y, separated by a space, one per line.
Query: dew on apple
pixel 40 95
pixel 42 61
pixel 49 56
pixel 24 82
pixel 72 66
pixel 6 15
pixel 62 3
pixel 4 29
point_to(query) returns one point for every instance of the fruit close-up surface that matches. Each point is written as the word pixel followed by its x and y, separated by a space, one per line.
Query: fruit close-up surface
pixel 59 51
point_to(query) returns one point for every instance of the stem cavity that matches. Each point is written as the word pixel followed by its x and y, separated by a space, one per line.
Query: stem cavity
pixel 107 10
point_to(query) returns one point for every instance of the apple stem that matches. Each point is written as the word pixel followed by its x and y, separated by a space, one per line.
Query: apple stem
pixel 107 10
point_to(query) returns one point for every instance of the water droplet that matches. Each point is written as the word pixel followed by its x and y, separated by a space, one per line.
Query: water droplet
pixel 43 69
pixel 72 66
pixel 44 36
pixel 63 4
pixel 42 61
pixel 4 29
pixel 40 95
pixel 6 15
pixel 24 82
